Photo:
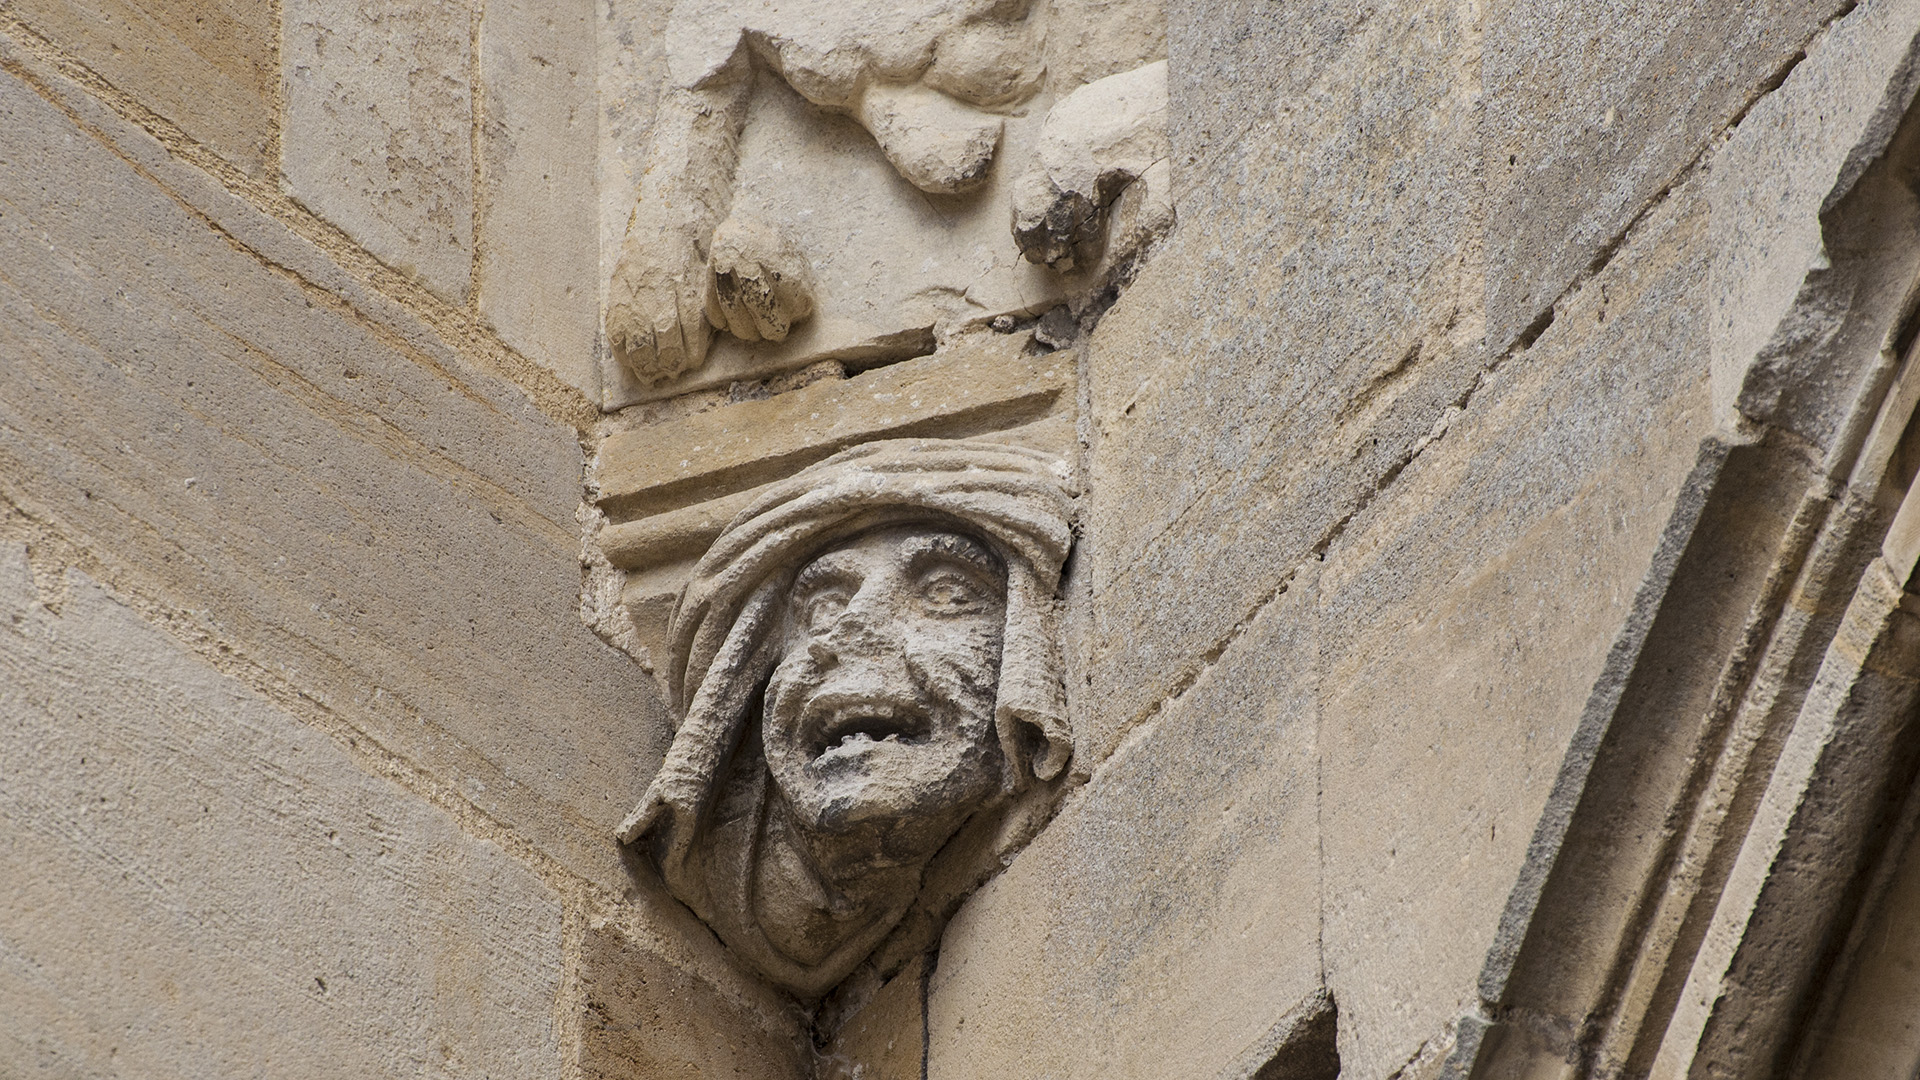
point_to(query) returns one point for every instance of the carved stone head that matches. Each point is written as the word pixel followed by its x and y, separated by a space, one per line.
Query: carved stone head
pixel 869 673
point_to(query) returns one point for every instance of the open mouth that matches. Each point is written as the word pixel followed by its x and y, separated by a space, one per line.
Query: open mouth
pixel 856 726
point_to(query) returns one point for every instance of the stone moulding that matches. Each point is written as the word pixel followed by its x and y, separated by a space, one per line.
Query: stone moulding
pixel 662 492
pixel 1729 821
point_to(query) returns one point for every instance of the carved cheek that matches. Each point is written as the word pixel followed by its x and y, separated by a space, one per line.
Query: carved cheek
pixel 962 654
pixel 786 692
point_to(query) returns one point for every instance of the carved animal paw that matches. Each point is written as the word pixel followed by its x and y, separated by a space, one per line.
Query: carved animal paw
pixel 656 310
pixel 758 285
pixel 1103 139
pixel 938 144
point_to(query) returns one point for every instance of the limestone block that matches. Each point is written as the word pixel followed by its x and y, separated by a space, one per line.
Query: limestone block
pixel 379 130
pixel 210 68
pixel 887 1038
pixel 1239 65
pixel 1168 920
pixel 1783 290
pixel 989 386
pixel 646 1016
pixel 1286 348
pixel 339 499
pixel 1592 109
pixel 1467 616
pixel 198 884
pixel 539 247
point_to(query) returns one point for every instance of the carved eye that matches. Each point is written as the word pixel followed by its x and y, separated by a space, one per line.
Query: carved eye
pixel 946 591
pixel 819 609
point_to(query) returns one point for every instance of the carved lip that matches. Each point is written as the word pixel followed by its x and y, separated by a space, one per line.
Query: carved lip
pixel 841 725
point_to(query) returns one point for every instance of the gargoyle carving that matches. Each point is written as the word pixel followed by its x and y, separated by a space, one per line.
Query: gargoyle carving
pixel 867 665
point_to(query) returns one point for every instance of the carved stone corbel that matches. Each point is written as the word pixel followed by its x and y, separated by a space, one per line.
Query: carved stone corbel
pixel 867 669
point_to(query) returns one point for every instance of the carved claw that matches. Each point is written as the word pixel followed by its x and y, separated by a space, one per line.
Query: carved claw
pixel 935 142
pixel 1058 229
pixel 1097 142
pixel 656 311
pixel 758 286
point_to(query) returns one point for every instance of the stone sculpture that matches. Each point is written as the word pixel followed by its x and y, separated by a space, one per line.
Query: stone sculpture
pixel 935 83
pixel 868 675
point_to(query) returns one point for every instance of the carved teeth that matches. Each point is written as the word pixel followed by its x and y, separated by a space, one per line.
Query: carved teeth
pixel 852 737
pixel 855 727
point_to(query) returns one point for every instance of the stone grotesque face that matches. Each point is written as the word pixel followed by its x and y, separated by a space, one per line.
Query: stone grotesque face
pixel 878 721
pixel 869 681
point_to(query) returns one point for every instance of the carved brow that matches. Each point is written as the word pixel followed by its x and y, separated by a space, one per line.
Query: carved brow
pixel 958 546
pixel 824 570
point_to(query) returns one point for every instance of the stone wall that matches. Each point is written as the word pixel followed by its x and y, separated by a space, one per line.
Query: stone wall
pixel 1445 473
pixel 301 713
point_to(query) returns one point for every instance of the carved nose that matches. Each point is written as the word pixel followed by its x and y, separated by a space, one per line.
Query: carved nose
pixel 858 631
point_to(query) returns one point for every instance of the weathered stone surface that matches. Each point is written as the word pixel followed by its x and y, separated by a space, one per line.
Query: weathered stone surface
pixel 1469 611
pixel 1092 39
pixel 201 885
pixel 1788 299
pixel 1299 334
pixel 1234 65
pixel 1591 110
pixel 886 1039
pixel 379 130
pixel 988 385
pixel 632 63
pixel 539 247
pixel 868 682
pixel 1169 918
pixel 344 503
pixel 210 68
pixel 646 1016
